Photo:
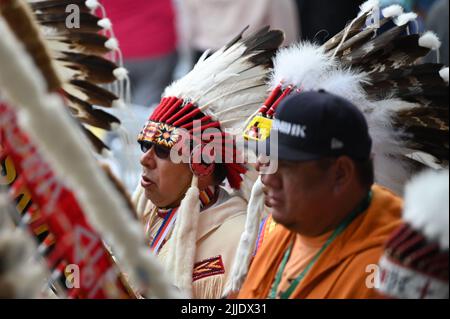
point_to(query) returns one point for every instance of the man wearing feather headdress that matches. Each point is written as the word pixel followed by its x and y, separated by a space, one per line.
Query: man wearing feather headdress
pixel 373 64
pixel 332 220
pixel 193 223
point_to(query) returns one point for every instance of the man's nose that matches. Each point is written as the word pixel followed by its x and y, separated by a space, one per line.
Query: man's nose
pixel 271 180
pixel 148 159
pixel 262 163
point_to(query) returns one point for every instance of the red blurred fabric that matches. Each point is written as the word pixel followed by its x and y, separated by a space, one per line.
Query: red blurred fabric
pixel 144 28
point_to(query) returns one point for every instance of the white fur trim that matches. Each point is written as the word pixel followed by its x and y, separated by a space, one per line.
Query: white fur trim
pixel 405 18
pixel 427 205
pixel 444 74
pixel 392 11
pixel 248 239
pixel 182 245
pixel 430 40
pixel 105 24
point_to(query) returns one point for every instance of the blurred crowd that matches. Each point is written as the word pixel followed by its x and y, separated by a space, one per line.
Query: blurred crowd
pixel 162 39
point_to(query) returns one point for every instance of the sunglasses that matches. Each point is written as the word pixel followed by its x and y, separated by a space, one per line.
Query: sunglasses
pixel 160 151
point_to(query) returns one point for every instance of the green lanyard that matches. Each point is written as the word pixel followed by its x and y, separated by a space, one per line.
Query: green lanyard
pixel 339 230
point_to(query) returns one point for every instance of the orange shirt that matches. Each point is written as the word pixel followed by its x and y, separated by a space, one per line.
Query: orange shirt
pixel 343 269
pixel 303 251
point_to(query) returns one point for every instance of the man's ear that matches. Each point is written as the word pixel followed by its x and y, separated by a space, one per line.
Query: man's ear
pixel 207 178
pixel 344 173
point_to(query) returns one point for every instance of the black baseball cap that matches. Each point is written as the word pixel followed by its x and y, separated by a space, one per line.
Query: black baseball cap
pixel 316 124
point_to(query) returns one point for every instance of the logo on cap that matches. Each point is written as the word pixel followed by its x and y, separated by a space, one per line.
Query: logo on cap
pixel 336 144
pixel 295 130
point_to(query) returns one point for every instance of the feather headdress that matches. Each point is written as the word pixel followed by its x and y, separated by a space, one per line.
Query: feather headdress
pixel 220 93
pixel 373 63
pixel 76 55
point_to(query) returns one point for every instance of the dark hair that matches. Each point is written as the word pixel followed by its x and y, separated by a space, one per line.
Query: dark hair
pixel 364 169
pixel 220 173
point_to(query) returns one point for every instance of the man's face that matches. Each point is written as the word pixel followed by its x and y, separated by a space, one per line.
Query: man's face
pixel 165 182
pixel 297 194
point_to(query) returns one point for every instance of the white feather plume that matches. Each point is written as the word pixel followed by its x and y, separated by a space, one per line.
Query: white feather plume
pixel 427 205
pixel 303 65
pixel 222 82
pixel 347 84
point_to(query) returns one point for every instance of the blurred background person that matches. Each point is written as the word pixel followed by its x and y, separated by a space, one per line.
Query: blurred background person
pixel 209 24
pixel 146 30
pixel 321 19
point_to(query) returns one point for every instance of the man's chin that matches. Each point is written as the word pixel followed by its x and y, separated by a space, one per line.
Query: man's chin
pixel 148 193
pixel 277 215
pixel 280 217
pixel 151 197
pixel 156 200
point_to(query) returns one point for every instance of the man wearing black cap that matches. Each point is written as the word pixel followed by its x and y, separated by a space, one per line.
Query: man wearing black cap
pixel 333 220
